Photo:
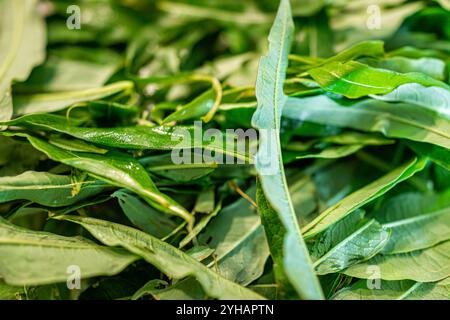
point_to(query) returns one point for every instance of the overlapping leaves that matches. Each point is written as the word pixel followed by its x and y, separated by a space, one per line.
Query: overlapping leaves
pixel 347 197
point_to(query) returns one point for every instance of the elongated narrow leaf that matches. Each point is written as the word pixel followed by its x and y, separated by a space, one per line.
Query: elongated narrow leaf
pixel 135 137
pixel 195 109
pixel 162 165
pixel 395 290
pixel 350 137
pixel 47 189
pixel 359 198
pixel 50 102
pixel 334 152
pixel 370 48
pixel 71 68
pixel 416 221
pixel 115 168
pixel 143 216
pixel 428 265
pixel 432 67
pixel 238 238
pixel 275 234
pixel 419 232
pixel 360 245
pixel 173 262
pixel 337 233
pixel 196 12
pixel 22 46
pixel 186 289
pixel 271 99
pixel 434 98
pixel 393 120
pixel 438 155
pixel 200 226
pixel 75 145
pixel 354 80
pixel 34 258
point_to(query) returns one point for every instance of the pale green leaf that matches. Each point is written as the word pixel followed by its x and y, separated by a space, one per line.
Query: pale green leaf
pixel 416 221
pixel 269 165
pixel 173 262
pixel 428 265
pixel 34 258
pixel 397 120
pixel 54 101
pixel 395 290
pixel 22 46
pixel 362 196
pixel 46 189
pixel 434 98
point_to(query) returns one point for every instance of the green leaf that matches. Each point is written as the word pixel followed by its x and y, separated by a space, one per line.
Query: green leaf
pixel 75 145
pixel 275 234
pixel 432 67
pixel 371 48
pixel 35 258
pixel 307 8
pixel 117 169
pixel 17 156
pixel 359 246
pixel 372 116
pixel 22 46
pixel 433 98
pixel 46 189
pixel 354 80
pixel 209 12
pixel 133 137
pixel 6 107
pixel 238 238
pixel 186 289
pixel 396 290
pixel 362 196
pixel 28 217
pixel 439 155
pixel 205 201
pixel 8 292
pixel 162 165
pixel 269 165
pixel 173 262
pixel 143 216
pixel 428 265
pixel 351 137
pixel 194 109
pixel 201 225
pixel 416 53
pixel 337 233
pixel 334 152
pixel 50 102
pixel 318 35
pixel 200 253
pixel 71 68
pixel 416 221
pixel 348 242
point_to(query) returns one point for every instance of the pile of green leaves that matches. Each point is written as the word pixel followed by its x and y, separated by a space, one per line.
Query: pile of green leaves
pixel 356 123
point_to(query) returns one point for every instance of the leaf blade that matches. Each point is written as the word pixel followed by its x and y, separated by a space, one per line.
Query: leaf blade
pixel 168 259
pixel 271 99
